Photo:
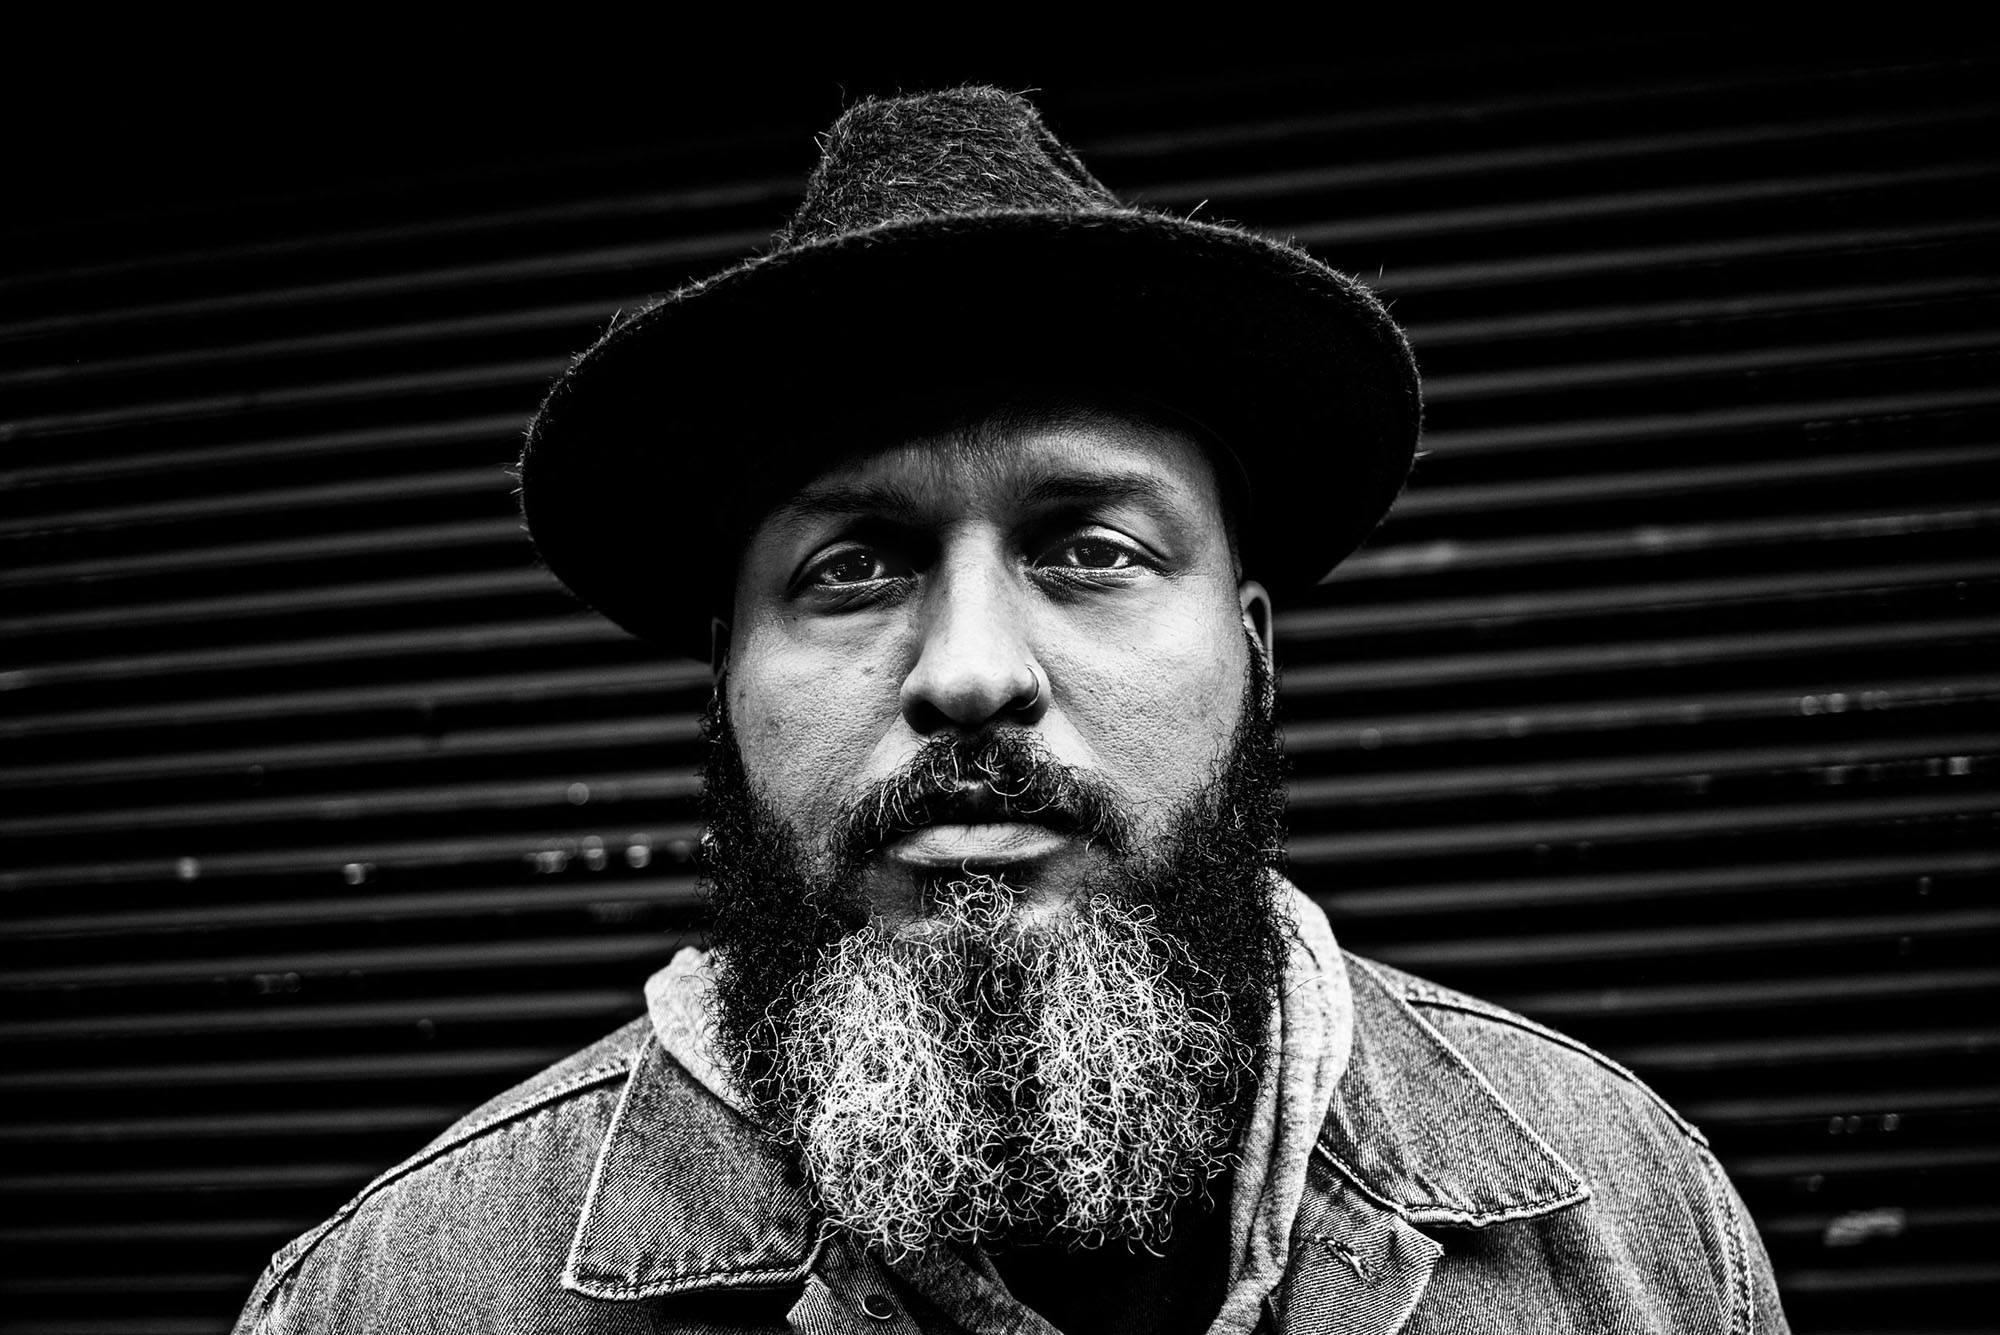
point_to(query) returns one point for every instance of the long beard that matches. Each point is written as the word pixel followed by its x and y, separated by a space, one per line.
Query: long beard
pixel 978 1081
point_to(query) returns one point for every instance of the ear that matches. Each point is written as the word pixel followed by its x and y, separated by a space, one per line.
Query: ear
pixel 718 647
pixel 1256 605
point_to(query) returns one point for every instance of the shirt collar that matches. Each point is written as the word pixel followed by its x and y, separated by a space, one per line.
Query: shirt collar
pixel 686 1195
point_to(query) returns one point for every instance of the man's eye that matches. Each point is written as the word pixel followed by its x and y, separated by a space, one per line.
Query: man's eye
pixel 857 565
pixel 1092 554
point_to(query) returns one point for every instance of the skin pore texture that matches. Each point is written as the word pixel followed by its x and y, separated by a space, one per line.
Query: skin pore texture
pixel 993 797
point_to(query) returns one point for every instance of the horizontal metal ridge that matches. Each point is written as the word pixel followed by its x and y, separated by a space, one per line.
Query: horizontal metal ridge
pixel 1758 994
pixel 121 1231
pixel 1310 625
pixel 1398 560
pixel 477 638
pixel 1460 782
pixel 1930 1280
pixel 418 697
pixel 1677 652
pixel 1680 367
pixel 734 193
pixel 610 898
pixel 549 849
pixel 1888 1096
pixel 264 453
pixel 1426 168
pixel 1585 889
pixel 1309 736
pixel 1415 846
pixel 480 1062
pixel 261 1177
pixel 557 264
pixel 409 539
pixel 523 373
pixel 266 500
pixel 1654 941
pixel 1654 204
pixel 542 953
pixel 320 343
pixel 1433 501
pixel 1848 1159
pixel 481 1008
pixel 1663 425
pixel 644 731
pixel 227 1125
pixel 1569 321
pixel 1811 1049
pixel 462 799
pixel 443 588
pixel 1563 266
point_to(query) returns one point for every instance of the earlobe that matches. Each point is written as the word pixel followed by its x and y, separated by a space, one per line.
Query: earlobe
pixel 1256 605
pixel 718 647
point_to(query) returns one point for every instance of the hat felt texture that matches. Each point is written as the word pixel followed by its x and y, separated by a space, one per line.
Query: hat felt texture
pixel 950 253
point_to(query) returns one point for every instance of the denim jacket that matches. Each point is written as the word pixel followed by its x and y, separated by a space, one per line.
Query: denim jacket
pixel 1478 1172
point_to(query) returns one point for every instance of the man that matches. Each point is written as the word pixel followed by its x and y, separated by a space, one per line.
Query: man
pixel 1011 1022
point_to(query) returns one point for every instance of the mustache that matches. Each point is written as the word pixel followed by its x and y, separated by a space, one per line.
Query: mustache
pixel 981 778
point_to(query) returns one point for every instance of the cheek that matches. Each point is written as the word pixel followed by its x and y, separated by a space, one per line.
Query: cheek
pixel 1157 713
pixel 806 728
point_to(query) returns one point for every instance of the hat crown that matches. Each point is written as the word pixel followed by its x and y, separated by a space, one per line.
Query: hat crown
pixel 964 150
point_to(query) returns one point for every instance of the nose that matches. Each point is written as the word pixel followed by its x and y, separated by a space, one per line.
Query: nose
pixel 974 665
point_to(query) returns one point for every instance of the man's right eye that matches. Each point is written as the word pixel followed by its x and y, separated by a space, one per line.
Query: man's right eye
pixel 849 565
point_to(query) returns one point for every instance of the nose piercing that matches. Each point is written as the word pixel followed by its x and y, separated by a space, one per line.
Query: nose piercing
pixel 1036 698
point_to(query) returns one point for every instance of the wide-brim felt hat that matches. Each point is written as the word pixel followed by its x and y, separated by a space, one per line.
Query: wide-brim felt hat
pixel 950 253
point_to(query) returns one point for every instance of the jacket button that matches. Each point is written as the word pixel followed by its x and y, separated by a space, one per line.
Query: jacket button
pixel 878 1307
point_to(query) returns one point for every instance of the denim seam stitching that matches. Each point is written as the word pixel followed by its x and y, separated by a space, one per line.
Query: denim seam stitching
pixel 1469 1006
pixel 284 1268
pixel 1742 1303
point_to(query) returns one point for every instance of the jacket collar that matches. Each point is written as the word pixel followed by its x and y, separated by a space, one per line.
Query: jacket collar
pixel 686 1195
pixel 1416 1128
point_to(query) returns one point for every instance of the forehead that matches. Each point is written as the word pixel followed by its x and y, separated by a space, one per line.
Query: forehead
pixel 1018 460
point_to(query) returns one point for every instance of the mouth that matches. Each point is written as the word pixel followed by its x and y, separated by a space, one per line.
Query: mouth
pixel 956 844
pixel 976 826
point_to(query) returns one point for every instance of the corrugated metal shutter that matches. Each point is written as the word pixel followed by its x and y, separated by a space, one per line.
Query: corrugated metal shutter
pixel 1663 709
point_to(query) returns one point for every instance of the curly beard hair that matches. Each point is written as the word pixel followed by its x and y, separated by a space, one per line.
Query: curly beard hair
pixel 978 1080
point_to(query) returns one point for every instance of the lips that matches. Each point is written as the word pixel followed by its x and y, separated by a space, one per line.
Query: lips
pixel 973 825
pixel 996 843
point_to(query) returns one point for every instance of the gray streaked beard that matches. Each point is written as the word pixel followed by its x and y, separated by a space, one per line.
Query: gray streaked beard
pixel 977 1081
pixel 980 1082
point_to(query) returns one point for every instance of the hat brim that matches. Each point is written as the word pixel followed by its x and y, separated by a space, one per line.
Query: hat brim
pixel 656 452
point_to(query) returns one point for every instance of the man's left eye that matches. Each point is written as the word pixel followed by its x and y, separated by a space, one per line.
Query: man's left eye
pixel 1091 554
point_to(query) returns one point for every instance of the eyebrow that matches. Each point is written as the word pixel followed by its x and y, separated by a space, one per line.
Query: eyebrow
pixel 835 499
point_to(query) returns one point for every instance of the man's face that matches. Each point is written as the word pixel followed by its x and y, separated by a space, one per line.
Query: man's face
pixel 1065 575
pixel 993 794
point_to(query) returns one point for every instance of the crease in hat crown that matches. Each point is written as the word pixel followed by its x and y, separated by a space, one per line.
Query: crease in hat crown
pixel 961 151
